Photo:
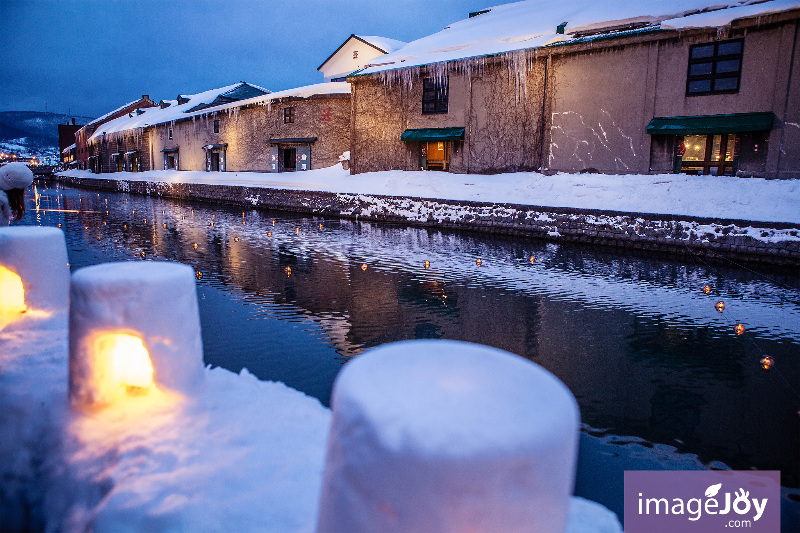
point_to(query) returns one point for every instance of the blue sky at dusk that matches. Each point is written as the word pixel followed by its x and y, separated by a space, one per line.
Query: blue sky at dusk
pixel 87 57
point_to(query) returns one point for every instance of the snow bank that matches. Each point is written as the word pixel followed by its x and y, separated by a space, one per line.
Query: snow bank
pixel 719 197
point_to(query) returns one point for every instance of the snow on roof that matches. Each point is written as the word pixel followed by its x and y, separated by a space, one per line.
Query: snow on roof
pixel 152 116
pixel 117 110
pixel 724 17
pixel 384 43
pixel 68 148
pixel 533 24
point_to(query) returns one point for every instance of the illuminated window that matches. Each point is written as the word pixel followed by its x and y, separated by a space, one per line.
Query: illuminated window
pixel 710 154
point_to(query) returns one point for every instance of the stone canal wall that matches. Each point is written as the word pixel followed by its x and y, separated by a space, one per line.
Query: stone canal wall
pixel 752 242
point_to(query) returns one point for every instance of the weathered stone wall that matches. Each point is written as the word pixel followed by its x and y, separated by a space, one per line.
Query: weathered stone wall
pixel 737 240
pixel 505 120
pixel 248 130
pixel 600 109
pixel 377 121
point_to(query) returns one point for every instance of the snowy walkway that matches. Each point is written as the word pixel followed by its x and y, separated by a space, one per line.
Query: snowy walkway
pixel 750 199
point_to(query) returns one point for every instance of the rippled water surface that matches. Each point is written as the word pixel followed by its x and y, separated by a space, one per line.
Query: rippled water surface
pixel 292 298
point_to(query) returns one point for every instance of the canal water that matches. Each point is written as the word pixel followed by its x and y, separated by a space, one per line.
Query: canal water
pixel 658 372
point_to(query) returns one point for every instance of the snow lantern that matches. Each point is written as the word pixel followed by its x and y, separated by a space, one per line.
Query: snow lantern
pixel 446 436
pixel 133 327
pixel 34 273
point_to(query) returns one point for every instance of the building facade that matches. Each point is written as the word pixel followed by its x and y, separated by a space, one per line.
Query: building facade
pixel 90 158
pixel 620 100
pixel 236 128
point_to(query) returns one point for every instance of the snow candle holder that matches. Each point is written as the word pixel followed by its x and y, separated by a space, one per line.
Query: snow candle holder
pixel 34 273
pixel 133 326
pixel 446 436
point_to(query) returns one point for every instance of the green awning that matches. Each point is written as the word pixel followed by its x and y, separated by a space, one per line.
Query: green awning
pixel 433 134
pixel 704 124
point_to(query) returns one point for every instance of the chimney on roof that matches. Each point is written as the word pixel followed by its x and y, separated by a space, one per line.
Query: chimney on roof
pixel 145 97
pixel 73 121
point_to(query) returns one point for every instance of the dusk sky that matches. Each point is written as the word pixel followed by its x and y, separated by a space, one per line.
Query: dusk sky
pixel 87 57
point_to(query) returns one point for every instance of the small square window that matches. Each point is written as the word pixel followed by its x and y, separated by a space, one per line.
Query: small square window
pixel 216 126
pixel 170 132
pixel 288 115
pixel 355 54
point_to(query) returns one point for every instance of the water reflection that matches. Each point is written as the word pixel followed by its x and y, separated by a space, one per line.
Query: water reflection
pixel 637 339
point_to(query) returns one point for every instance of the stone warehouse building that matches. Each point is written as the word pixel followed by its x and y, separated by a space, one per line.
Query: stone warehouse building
pixel 240 127
pixel 90 158
pixel 708 88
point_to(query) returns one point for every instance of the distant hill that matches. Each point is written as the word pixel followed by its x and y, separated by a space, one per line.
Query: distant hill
pixel 34 129
pixel 27 134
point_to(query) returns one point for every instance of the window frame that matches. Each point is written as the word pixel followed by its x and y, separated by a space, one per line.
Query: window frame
pixel 216 125
pixel 714 60
pixel 435 96
pixel 288 115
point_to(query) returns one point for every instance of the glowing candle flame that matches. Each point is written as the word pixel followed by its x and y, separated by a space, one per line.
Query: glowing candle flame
pixel 706 289
pixel 194 246
pixel 236 239
pixel 739 329
pixel 719 306
pixel 364 267
pixel 533 259
pixel 129 361
pixel 426 264
pixel 12 294
pixel 199 275
pixel 767 362
pixel 478 262
pixel 288 271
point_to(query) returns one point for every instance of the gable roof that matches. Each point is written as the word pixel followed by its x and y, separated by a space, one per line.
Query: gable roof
pixel 532 24
pixel 384 45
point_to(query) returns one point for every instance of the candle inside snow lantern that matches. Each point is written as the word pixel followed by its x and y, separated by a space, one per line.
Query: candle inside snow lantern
pixel 446 437
pixel 134 326
pixel 34 274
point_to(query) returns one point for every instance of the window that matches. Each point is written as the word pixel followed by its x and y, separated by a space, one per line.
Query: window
pixel 288 115
pixel 216 126
pixel 714 68
pixel 355 54
pixel 709 154
pixel 170 132
pixel 434 96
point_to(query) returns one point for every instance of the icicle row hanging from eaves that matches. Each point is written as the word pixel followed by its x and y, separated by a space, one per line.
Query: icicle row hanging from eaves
pixel 519 63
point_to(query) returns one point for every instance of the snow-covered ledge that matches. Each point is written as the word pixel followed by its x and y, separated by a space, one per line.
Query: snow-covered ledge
pixel 447 436
pixel 133 326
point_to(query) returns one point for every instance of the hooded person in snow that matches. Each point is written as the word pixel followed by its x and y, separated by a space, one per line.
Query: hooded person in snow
pixel 14 179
